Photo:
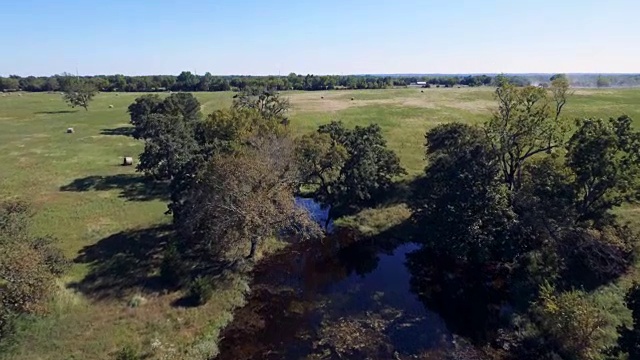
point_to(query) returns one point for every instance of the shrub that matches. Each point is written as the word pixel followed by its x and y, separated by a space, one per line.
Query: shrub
pixel 577 324
pixel 137 301
pixel 201 290
pixel 127 353
pixel 171 268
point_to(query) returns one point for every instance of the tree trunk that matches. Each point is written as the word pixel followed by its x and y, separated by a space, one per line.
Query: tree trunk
pixel 328 219
pixel 254 245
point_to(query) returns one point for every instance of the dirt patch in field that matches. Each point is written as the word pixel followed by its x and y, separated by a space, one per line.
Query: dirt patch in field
pixel 593 92
pixel 335 102
pixel 477 106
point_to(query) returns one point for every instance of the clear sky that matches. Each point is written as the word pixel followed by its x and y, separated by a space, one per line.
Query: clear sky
pixel 139 37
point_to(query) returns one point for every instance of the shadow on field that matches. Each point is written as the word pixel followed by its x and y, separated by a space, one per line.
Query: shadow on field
pixel 123 262
pixel 56 112
pixel 133 187
pixel 120 131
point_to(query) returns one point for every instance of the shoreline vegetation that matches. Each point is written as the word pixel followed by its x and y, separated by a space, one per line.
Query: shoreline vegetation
pixel 146 282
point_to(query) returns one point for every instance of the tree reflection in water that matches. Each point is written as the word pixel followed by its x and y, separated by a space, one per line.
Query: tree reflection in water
pixel 378 299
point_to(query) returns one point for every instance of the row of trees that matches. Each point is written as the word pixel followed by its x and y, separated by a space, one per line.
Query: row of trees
pixel 522 200
pixel 187 81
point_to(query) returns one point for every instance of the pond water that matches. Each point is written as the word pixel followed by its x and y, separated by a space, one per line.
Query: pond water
pixel 317 301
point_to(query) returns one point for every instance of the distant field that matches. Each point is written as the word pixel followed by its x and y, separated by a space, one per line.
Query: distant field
pixel 93 205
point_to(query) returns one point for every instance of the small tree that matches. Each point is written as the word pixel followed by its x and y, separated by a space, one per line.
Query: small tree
pixel 79 93
pixel 268 103
pixel 348 168
pixel 525 125
pixel 242 198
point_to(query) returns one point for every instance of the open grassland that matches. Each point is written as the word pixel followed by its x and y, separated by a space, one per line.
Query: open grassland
pixel 110 221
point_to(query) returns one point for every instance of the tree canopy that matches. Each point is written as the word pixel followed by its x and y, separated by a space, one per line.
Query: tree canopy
pixel 79 93
pixel 347 168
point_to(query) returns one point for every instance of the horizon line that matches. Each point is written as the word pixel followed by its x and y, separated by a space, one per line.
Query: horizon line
pixel 356 74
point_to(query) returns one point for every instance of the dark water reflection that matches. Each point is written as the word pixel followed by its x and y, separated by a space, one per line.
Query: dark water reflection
pixel 310 302
pixel 366 299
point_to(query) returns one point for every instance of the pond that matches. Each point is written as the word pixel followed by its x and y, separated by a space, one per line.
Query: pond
pixel 358 301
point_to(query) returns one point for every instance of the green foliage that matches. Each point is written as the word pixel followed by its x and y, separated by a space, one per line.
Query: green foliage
pixel 9 84
pixel 629 341
pixel 79 93
pixel 605 157
pixel 362 172
pixel 321 160
pixel 547 197
pixel 127 352
pixel 169 129
pixel 268 103
pixel 577 326
pixel 603 82
pixel 140 110
pixel 498 194
pixel 183 106
pixel 524 125
pixel 201 290
pixel 241 199
pixel 28 266
pixel 461 205
pixel 172 267
pixel 170 146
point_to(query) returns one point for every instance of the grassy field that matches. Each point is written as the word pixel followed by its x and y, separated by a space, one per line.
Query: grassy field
pixel 110 222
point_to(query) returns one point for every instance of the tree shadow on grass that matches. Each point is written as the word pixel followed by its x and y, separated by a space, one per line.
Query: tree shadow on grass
pixel 133 187
pixel 56 112
pixel 120 131
pixel 123 262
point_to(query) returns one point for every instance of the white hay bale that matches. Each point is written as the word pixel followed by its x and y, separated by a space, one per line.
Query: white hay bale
pixel 69 130
pixel 127 161
pixel 110 106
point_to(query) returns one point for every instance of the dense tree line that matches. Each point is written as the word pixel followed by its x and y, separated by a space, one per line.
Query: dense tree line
pixel 523 201
pixel 187 81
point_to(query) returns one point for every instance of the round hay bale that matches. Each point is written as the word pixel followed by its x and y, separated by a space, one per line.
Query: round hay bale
pixel 110 106
pixel 69 130
pixel 127 161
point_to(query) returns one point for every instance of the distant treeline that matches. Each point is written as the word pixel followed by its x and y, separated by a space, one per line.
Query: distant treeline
pixel 188 81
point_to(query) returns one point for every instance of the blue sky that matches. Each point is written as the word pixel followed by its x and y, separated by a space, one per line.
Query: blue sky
pixel 136 37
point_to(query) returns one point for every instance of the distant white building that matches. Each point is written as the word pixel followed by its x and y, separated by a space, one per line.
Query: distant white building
pixel 422 83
